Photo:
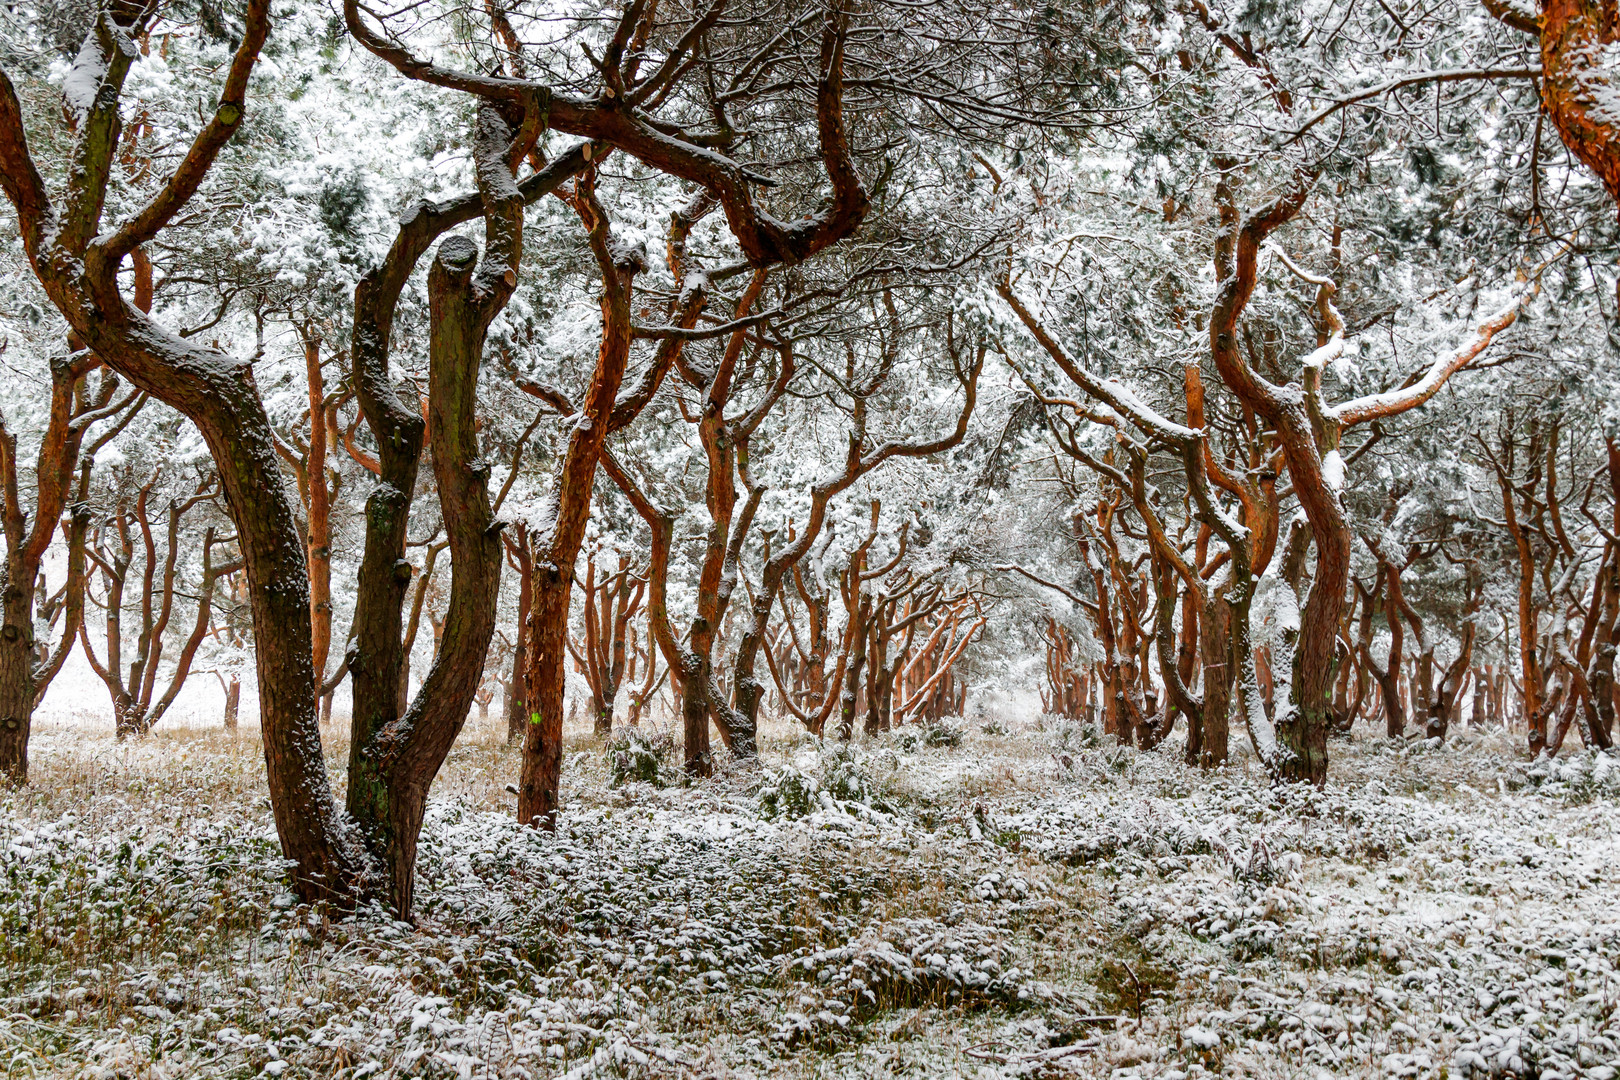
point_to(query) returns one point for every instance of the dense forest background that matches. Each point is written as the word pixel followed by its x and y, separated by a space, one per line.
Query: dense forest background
pixel 607 399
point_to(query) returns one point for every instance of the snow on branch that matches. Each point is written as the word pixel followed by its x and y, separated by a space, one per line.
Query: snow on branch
pixel 1394 402
pixel 1113 393
pixel 1441 76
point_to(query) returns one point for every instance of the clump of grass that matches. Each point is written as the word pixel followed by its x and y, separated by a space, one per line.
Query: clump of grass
pixel 1129 981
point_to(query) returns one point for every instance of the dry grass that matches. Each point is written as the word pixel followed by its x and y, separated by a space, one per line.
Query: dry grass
pixel 84 997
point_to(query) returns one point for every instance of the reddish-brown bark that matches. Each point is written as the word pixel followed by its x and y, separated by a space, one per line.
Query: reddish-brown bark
pixel 558 539
pixel 614 118
pixel 24 672
pixel 1578 87
pixel 1308 431
pixel 607 609
pixel 968 360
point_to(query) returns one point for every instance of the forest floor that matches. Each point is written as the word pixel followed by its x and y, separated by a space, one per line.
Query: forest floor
pixel 1026 902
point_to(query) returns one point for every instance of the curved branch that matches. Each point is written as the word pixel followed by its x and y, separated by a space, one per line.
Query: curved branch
pixel 1382 406
pixel 188 175
pixel 1442 76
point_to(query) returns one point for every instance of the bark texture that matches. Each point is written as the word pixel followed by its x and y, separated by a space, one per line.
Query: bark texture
pixel 394 768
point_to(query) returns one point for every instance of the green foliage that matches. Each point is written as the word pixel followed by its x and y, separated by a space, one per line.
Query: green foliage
pixel 1075 736
pixel 788 793
pixel 933 734
pixel 69 897
pixel 837 781
pixel 1582 777
pixel 636 756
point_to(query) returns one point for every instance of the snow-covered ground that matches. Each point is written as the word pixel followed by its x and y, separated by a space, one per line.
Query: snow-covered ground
pixel 1027 902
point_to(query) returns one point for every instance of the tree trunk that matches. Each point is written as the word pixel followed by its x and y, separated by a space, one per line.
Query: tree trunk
pixel 23 676
pixel 1304 731
pixel 17 689
pixel 544 677
pixel 695 679
pixel 396 767
pixel 861 612
pixel 1215 639
pixel 218 394
pixel 1576 37
pixel 1389 676
pixel 238 433
pixel 319 512
pixel 570 504
pixel 744 673
pixel 516 715
pixel 378 669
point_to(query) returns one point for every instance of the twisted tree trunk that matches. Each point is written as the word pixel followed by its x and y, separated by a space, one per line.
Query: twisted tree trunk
pixel 392 770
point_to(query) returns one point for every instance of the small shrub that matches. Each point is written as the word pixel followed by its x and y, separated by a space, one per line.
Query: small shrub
pixel 839 779
pixel 1578 778
pixel 634 755
pixel 980 825
pixel 1262 867
pixel 1072 735
pixel 789 793
pixel 845 780
pixel 934 733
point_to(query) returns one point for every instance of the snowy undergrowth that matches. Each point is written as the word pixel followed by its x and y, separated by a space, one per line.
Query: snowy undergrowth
pixel 1030 903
